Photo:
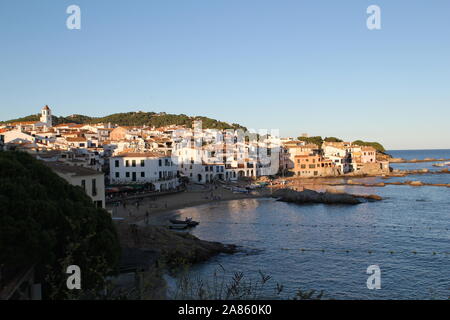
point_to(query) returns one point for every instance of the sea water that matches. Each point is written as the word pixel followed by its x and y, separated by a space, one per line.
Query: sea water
pixel 330 247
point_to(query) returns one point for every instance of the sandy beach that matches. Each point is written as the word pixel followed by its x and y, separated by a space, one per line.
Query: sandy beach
pixel 160 208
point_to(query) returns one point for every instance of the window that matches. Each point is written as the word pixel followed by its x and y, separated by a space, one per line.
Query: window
pixel 133 163
pixel 312 166
pixel 94 187
pixel 303 166
pixel 127 174
pixel 142 174
pixel 83 184
pixel 160 174
pixel 127 163
pixel 142 163
pixel 117 163
pixel 160 162
pixel 117 175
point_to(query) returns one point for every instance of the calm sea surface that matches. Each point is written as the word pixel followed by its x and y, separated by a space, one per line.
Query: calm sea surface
pixel 407 235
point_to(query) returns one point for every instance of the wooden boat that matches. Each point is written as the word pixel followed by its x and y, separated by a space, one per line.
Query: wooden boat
pixel 187 222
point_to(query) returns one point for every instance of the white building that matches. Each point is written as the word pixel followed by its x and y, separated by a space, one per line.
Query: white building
pixel 46 117
pixel 340 154
pixel 93 182
pixel 142 168
pixel 209 155
pixel 16 136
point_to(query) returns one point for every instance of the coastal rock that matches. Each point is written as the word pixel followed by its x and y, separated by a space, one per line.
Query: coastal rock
pixel 311 196
pixel 396 160
pixel 379 184
pixel 170 246
pixel 370 197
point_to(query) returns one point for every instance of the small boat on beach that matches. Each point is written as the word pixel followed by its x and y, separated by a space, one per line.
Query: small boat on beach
pixel 240 190
pixel 188 222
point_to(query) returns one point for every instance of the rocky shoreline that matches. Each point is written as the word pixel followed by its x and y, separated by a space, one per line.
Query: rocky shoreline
pixel 402 173
pixel 401 160
pixel 170 246
pixel 152 251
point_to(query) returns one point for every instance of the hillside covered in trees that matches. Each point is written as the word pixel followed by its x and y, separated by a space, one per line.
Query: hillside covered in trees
pixel 47 223
pixel 138 119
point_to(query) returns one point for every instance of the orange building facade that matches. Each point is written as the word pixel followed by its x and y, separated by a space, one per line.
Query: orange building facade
pixel 313 166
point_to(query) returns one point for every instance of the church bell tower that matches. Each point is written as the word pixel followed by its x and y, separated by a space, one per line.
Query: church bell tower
pixel 46 116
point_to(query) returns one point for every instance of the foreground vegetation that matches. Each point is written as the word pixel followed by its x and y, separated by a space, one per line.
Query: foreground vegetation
pixel 234 286
pixel 50 224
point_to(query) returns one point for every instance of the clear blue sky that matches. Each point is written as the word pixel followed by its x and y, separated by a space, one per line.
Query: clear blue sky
pixel 300 66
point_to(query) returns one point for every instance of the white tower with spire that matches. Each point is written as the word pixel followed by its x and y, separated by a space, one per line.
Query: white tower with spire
pixel 46 116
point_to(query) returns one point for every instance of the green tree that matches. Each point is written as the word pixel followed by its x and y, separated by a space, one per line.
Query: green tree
pixel 332 139
pixel 315 140
pixel 378 146
pixel 46 222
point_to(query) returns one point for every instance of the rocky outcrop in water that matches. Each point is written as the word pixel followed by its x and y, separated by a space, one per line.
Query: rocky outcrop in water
pixel 401 160
pixel 311 196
